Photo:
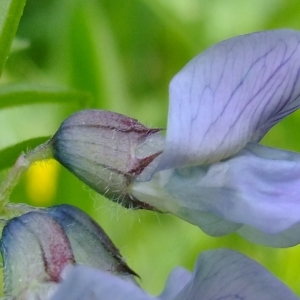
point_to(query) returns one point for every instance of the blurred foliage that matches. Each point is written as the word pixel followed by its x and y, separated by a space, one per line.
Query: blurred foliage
pixel 123 54
pixel 10 13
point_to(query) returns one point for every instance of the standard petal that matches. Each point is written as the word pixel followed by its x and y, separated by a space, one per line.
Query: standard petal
pixel 259 187
pixel 226 274
pixel 231 94
pixel 89 284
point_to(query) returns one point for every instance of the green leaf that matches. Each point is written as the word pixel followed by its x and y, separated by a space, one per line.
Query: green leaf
pixel 10 14
pixel 9 155
pixel 94 60
pixel 23 94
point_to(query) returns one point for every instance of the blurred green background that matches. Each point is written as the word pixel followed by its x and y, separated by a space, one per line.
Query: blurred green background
pixel 124 54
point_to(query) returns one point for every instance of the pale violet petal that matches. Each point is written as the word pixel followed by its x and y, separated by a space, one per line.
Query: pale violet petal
pixel 219 274
pixel 286 238
pixel 159 192
pixel 226 274
pixel 259 187
pixel 89 284
pixel 249 189
pixel 177 280
pixel 231 94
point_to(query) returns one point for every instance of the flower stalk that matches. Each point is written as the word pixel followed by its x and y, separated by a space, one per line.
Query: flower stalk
pixel 22 164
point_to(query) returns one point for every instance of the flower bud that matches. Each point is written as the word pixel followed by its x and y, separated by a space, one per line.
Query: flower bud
pixel 37 248
pixel 103 149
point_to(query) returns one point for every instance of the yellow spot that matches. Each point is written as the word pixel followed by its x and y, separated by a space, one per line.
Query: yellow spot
pixel 42 182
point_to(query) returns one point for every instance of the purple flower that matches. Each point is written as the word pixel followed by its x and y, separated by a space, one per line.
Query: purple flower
pixel 210 170
pixel 218 274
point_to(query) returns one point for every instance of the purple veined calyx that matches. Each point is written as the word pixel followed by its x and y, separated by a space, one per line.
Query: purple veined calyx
pixel 99 147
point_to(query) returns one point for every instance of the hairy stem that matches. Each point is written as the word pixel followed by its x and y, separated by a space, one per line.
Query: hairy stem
pixel 22 164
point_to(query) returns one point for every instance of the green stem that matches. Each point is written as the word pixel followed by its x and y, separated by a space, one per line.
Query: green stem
pixel 13 177
pixel 22 164
pixel 41 152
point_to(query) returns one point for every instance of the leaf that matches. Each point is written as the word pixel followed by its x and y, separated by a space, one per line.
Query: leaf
pixel 9 155
pixel 10 14
pixel 95 64
pixel 23 94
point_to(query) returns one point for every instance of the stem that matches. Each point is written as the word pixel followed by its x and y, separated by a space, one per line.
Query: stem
pixel 13 177
pixel 22 164
pixel 41 152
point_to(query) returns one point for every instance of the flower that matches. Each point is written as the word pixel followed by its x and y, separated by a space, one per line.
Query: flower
pixel 211 170
pixel 218 274
pixel 39 247
pixel 61 253
pixel 221 104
